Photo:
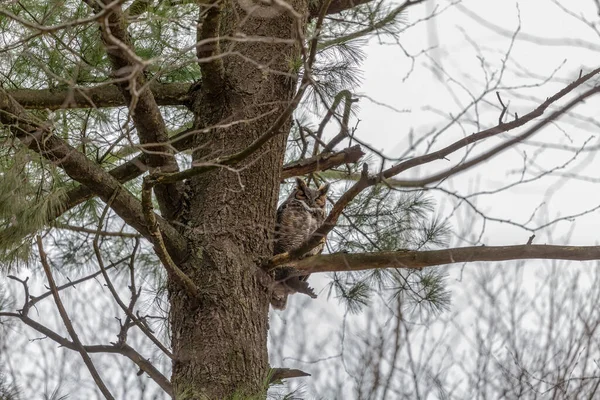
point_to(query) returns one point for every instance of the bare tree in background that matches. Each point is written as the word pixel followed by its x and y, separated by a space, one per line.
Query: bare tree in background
pixel 144 148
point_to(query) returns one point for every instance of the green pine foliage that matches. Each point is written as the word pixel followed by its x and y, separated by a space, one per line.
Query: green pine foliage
pixel 30 191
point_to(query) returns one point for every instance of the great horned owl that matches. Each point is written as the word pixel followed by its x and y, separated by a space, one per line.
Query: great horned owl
pixel 297 218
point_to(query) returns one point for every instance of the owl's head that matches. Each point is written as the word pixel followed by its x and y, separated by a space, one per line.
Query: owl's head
pixel 313 198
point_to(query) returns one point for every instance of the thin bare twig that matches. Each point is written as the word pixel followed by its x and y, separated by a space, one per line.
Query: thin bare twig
pixel 65 317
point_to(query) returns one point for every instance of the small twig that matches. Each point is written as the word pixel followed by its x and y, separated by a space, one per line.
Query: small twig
pixel 344 131
pixel 65 317
pixel 530 240
pixel 504 108
pixel 303 139
pixel 36 299
pixel 27 304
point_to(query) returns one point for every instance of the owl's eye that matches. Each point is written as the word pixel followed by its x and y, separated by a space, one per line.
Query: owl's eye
pixel 320 201
pixel 300 195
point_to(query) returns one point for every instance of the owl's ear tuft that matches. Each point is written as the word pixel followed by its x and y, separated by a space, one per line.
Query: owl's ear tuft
pixel 300 184
pixel 323 188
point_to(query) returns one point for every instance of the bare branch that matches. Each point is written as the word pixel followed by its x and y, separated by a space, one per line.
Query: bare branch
pixel 278 374
pixel 165 94
pixel 440 154
pixel 65 317
pixel 134 295
pixel 498 149
pixel 124 350
pixel 322 162
pixel 340 262
pixel 35 299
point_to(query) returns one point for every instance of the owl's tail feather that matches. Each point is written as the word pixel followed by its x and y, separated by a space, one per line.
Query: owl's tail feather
pixel 300 286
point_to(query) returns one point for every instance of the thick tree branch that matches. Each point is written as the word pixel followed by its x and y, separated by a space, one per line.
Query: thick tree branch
pixel 165 94
pixel 41 140
pixel 336 6
pixel 208 48
pixel 137 166
pixel 340 262
pixel 128 69
pixel 67 322
pixel 322 162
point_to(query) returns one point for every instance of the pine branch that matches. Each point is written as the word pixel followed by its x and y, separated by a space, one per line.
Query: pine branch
pixel 40 139
pixel 165 94
pixel 344 262
pixel 373 26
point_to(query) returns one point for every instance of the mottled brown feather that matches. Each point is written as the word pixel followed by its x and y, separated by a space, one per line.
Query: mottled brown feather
pixel 297 218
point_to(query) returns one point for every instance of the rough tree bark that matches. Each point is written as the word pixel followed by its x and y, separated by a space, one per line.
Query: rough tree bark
pixel 220 339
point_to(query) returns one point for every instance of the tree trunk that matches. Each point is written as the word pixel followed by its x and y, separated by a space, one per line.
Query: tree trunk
pixel 220 341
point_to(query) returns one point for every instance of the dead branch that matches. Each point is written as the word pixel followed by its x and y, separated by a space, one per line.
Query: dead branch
pixel 336 6
pixel 278 374
pixel 322 162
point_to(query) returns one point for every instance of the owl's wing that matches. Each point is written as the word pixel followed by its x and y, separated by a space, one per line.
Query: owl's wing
pixel 278 248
